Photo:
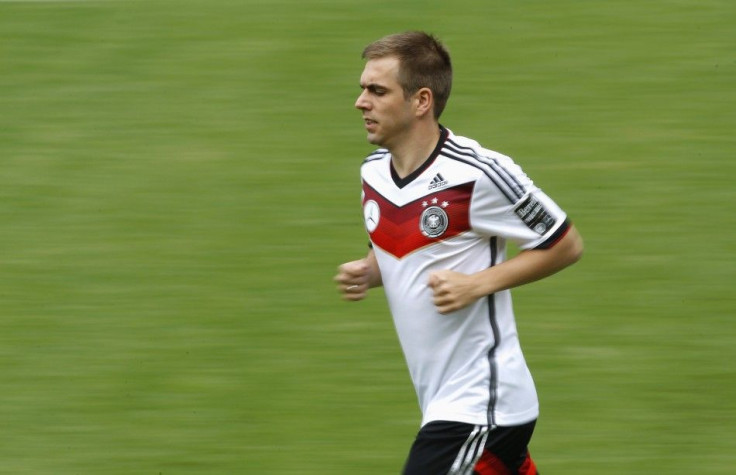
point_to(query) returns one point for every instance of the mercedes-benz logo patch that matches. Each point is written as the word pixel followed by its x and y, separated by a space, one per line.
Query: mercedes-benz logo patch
pixel 371 214
pixel 434 222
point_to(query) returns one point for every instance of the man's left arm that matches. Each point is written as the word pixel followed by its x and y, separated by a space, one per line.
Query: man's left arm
pixel 454 290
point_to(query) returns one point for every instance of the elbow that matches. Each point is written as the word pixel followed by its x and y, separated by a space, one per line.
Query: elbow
pixel 575 246
pixel 569 249
pixel 576 253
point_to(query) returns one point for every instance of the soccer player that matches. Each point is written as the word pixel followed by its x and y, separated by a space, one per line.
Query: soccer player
pixel 439 209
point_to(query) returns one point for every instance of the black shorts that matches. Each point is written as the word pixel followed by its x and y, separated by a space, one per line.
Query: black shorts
pixel 455 448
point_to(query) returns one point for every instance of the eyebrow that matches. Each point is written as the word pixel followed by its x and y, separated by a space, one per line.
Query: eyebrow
pixel 373 87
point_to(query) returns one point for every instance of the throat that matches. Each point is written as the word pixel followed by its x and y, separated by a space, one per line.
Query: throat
pixel 413 154
pixel 406 168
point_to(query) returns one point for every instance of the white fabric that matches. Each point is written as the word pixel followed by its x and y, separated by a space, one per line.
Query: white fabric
pixel 467 366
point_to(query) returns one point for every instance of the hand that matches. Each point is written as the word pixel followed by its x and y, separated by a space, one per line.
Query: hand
pixel 452 290
pixel 353 279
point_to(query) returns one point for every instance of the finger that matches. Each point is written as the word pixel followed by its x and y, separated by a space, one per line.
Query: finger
pixel 354 292
pixel 353 297
pixel 445 306
pixel 441 300
pixel 352 287
pixel 350 276
pixel 345 279
pixel 444 310
pixel 440 290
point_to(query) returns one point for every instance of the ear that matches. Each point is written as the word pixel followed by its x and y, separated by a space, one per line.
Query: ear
pixel 424 100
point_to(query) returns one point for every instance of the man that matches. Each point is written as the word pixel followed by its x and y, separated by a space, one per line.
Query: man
pixel 439 209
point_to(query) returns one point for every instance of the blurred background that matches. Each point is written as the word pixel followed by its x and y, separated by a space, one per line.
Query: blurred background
pixel 179 181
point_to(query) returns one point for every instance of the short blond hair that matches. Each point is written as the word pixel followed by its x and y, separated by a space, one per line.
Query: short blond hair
pixel 423 62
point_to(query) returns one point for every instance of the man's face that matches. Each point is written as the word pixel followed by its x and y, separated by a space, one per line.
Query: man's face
pixel 386 113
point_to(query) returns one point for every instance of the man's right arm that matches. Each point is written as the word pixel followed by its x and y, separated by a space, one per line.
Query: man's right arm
pixel 354 278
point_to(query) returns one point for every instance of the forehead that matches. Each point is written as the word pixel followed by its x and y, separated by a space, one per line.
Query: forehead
pixel 381 71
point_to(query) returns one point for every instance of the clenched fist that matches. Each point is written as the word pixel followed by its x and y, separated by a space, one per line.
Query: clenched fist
pixel 452 290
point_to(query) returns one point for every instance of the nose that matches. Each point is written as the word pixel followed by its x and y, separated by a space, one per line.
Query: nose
pixel 361 102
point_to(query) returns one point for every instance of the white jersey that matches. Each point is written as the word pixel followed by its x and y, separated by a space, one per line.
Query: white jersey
pixel 457 212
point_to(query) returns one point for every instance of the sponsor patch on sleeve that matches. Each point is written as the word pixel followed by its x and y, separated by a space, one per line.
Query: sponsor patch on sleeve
pixel 534 215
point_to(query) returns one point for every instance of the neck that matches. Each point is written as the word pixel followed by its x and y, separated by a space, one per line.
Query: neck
pixel 414 150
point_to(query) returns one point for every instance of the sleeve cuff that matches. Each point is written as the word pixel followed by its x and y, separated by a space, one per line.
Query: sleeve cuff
pixel 556 236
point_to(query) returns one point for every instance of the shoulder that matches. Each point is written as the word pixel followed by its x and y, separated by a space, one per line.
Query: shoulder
pixel 374 168
pixel 470 151
pixel 376 155
pixel 499 170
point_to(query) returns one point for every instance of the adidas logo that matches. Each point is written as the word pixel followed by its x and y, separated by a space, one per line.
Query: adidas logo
pixel 437 182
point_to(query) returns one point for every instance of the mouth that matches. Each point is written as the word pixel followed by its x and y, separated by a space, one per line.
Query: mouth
pixel 369 123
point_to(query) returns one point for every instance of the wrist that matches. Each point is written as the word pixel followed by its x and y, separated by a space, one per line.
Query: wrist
pixel 483 283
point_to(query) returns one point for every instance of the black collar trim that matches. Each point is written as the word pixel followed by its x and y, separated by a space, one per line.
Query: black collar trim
pixel 402 182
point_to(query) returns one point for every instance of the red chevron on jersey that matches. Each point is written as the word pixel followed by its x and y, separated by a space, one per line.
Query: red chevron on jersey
pixel 400 230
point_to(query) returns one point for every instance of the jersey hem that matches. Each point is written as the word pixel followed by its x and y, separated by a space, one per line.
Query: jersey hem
pixel 477 419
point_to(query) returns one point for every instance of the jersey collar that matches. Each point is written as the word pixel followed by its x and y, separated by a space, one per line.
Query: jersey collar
pixel 402 182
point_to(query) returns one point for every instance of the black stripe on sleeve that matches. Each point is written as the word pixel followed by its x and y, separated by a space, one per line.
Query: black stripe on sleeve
pixel 511 188
pixel 556 236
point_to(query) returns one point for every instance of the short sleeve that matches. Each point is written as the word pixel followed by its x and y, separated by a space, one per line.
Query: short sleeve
pixel 506 203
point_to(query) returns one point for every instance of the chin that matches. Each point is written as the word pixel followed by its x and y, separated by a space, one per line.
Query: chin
pixel 372 139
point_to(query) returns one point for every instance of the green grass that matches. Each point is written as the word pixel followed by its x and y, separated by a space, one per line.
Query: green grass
pixel 179 181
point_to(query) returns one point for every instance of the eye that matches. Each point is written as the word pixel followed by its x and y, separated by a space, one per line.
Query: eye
pixel 376 90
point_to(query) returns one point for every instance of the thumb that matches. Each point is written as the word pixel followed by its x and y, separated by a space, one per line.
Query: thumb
pixel 355 268
pixel 434 280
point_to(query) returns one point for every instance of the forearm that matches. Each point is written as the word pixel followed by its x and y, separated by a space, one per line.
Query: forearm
pixel 529 266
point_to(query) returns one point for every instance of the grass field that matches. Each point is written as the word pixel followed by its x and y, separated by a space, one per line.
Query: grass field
pixel 179 181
